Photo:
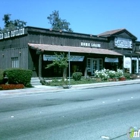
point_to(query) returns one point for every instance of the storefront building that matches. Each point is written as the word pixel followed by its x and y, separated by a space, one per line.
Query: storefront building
pixel 33 48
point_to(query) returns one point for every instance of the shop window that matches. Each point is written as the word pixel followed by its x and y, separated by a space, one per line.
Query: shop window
pixel 15 62
pixel 88 63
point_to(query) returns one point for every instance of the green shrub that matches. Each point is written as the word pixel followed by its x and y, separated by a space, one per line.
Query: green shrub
pixel 127 75
pixel 18 76
pixel 77 76
pixel 1 76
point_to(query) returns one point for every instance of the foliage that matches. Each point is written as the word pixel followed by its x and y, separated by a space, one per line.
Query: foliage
pixel 60 61
pixel 119 73
pixel 105 74
pixel 12 24
pixel 77 76
pixel 18 76
pixel 112 74
pixel 127 75
pixel 57 23
pixel 1 75
pixel 56 82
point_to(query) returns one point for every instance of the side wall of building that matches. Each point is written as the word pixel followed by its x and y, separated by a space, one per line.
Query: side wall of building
pixel 14 52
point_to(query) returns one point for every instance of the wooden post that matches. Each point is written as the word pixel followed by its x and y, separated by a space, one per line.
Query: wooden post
pixel 85 70
pixel 40 65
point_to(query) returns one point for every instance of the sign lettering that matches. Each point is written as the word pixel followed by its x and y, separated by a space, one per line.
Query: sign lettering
pixel 85 44
pixel 12 34
pixel 123 42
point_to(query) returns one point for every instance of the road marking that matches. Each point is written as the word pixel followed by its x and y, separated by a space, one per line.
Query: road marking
pixel 105 137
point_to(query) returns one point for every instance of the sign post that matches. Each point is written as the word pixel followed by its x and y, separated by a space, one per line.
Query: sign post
pixel 69 67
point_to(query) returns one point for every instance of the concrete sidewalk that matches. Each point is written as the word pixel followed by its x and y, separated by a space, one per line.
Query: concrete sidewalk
pixel 45 89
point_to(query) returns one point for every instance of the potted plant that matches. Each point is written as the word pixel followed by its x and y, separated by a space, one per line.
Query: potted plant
pixel 122 78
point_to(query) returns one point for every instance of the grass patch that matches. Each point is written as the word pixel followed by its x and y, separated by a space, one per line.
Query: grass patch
pixel 56 82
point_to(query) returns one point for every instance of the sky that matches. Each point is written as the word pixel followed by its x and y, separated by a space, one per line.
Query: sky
pixel 84 16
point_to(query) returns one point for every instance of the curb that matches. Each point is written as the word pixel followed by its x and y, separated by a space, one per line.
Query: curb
pixel 107 84
pixel 44 89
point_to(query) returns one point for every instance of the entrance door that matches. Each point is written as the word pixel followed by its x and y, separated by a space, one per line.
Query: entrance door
pixel 97 64
pixel 134 66
pixel 94 65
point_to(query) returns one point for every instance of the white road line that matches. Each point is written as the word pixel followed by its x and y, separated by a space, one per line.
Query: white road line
pixel 105 137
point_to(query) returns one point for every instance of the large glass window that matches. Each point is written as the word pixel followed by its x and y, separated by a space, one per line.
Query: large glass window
pixel 15 62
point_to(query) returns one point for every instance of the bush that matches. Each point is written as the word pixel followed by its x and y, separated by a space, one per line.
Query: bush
pixel 105 74
pixel 18 76
pixel 1 76
pixel 119 73
pixel 77 76
pixel 127 75
pixel 112 74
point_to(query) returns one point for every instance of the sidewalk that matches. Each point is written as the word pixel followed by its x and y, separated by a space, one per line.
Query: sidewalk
pixel 45 89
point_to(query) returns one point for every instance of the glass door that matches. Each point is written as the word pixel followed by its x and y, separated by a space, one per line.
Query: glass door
pixel 95 65
pixel 134 66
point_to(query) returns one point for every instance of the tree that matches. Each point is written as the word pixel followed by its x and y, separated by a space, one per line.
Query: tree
pixel 12 24
pixel 57 23
pixel 60 61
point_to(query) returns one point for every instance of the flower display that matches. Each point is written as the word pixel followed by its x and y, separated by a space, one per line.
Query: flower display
pixel 105 74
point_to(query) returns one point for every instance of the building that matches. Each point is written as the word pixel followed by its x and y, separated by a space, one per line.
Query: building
pixel 33 48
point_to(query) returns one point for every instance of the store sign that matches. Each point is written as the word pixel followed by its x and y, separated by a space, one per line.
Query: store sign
pixel 123 43
pixel 12 33
pixel 111 60
pixel 53 57
pixel 85 44
pixel 127 62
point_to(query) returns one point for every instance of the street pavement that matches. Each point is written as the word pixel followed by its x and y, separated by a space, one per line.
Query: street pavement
pixel 42 88
pixel 75 114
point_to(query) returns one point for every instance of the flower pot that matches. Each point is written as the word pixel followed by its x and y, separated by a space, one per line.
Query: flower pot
pixel 122 79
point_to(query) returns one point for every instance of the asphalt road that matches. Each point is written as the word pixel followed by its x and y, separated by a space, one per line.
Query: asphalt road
pixel 87 114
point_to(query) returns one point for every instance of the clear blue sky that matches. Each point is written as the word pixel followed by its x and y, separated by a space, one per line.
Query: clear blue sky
pixel 85 16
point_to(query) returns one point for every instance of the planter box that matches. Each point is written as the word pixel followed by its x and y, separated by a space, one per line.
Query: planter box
pixel 113 79
pixel 11 86
pixel 122 79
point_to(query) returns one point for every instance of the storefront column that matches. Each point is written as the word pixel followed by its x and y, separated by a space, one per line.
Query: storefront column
pixel 131 65
pixel 40 65
pixel 85 72
pixel 137 65
pixel 123 63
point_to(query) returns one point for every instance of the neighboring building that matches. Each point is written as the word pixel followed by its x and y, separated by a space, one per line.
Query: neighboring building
pixel 33 48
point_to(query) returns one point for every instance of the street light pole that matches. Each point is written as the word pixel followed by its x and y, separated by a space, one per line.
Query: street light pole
pixel 69 67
